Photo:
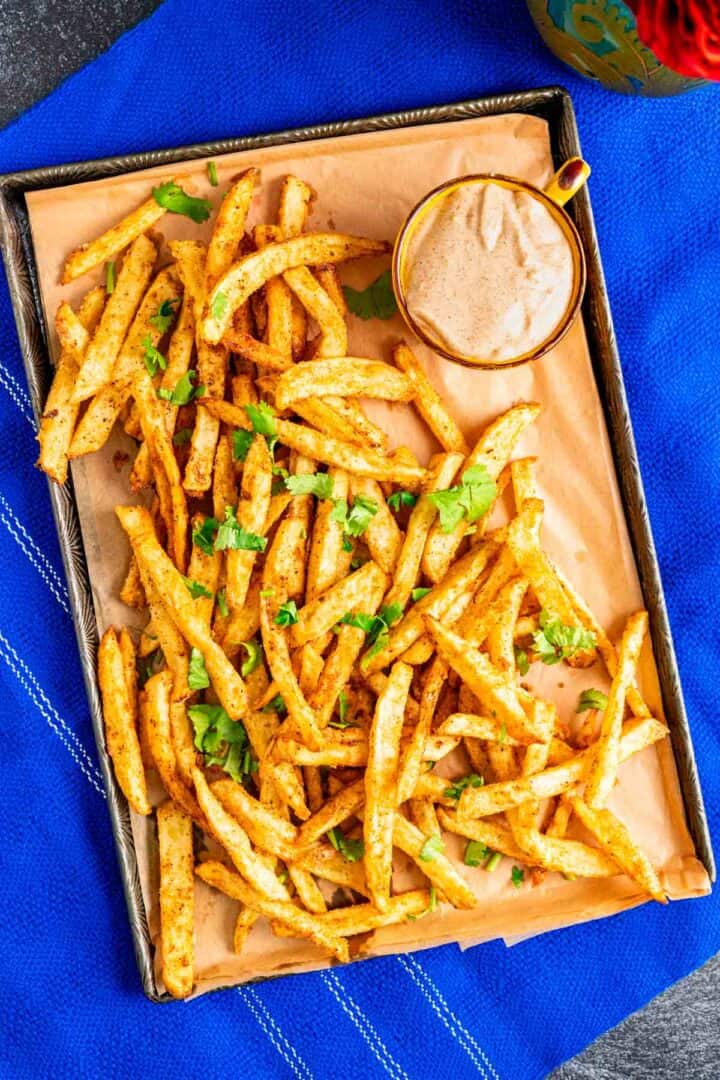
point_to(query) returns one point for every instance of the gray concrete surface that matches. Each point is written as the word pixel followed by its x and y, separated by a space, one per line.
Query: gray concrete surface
pixel 678 1035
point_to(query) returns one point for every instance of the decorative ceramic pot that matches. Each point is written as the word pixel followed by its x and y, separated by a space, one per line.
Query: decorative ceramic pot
pixel 599 39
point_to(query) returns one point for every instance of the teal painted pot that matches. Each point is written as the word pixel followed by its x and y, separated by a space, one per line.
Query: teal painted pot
pixel 599 39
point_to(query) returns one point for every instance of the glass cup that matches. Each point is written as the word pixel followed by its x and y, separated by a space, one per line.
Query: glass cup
pixel 566 182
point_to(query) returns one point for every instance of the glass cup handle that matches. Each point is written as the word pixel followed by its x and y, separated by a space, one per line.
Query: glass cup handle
pixel 568 180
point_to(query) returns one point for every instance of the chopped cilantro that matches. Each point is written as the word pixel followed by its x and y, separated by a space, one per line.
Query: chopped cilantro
pixel 401 498
pixel 221 601
pixel 591 699
pixel 555 641
pixel 195 588
pixel 254 657
pixel 351 850
pixel 153 358
pixel 204 534
pixel 433 846
pixel 197 675
pixel 417 594
pixel 276 705
pixel 432 906
pixel 184 391
pixel 165 315
pixel 458 786
pixel 377 301
pixel 318 484
pixel 517 876
pixel 287 614
pixel 475 853
pixel 110 278
pixel 521 659
pixel 242 441
pixel 232 536
pixel 173 199
pixel 470 499
pixel 212 173
pixel 219 306
pixel 182 436
pixel 222 741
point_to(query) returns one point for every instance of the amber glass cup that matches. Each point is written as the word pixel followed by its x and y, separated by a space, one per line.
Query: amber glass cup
pixel 564 184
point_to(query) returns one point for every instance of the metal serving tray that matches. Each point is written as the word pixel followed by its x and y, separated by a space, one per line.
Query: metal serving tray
pixel 554 105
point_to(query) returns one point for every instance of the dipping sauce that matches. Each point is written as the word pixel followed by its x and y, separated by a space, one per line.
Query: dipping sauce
pixel 489 272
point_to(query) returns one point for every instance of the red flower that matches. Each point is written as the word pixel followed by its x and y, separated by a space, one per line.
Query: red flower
pixel 683 34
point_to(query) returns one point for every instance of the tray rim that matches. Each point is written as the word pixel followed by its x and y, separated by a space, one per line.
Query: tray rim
pixel 552 103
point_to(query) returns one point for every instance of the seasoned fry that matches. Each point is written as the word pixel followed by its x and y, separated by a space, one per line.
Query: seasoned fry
pixel 112 242
pixel 429 403
pixel 439 870
pixel 327 610
pixel 328 561
pixel 619 845
pixel 381 778
pixel 177 898
pixel 251 514
pixel 230 226
pixel 346 377
pixel 101 354
pixel 278 658
pixel 120 723
pixel 333 332
pixel 155 702
pixel 303 924
pixel 492 451
pixel 296 199
pixel 251 272
pixel 362 918
pixel 266 829
pixel 382 535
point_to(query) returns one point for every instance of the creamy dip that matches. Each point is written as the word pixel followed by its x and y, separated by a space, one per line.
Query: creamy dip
pixel 488 272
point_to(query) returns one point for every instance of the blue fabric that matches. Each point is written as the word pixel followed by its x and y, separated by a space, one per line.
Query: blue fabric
pixel 69 991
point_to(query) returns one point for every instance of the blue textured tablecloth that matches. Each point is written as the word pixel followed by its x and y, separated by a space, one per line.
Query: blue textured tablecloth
pixel 70 997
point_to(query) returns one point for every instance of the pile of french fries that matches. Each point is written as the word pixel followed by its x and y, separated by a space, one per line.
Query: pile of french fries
pixel 327 620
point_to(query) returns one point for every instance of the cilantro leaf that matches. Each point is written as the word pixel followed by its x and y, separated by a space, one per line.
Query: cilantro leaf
pixel 232 536
pixel 356 520
pixel 351 850
pixel 518 876
pixel 377 301
pixel 212 173
pixel 197 675
pixel 184 391
pixel 347 544
pixel 401 498
pixel 219 306
pixel 318 484
pixel 221 601
pixel 182 436
pixel 521 659
pixel 458 786
pixel 417 594
pixel 195 588
pixel 173 199
pixel 242 441
pixel 222 741
pixel 261 416
pixel 203 536
pixel 555 641
pixel 375 626
pixel 287 614
pixel 470 499
pixel 475 853
pixel 503 733
pixel 254 657
pixel 591 699
pixel 432 906
pixel 433 846
pixel 165 315
pixel 153 358
pixel 342 722
pixel 276 705
pixel 110 278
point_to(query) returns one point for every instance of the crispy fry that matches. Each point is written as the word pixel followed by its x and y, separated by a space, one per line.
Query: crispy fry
pixel 439 870
pixel 204 570
pixel 302 923
pixel 326 611
pixel 606 752
pixel 228 684
pixel 251 515
pixel 155 702
pixel 492 450
pixel 328 562
pixel 252 271
pixel 381 778
pixel 319 306
pixel 266 829
pixel 131 592
pixel 296 199
pixel 382 536
pixel 230 225
pixel 120 723
pixel 346 377
pixel 429 403
pixel 615 839
pixel 278 658
pixel 177 899
pixel 98 364
pixel 112 242
pixel 362 918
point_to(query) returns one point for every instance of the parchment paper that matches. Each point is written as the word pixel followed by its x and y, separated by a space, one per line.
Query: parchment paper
pixel 366 184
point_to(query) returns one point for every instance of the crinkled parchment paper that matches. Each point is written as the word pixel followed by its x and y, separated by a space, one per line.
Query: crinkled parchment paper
pixel 366 184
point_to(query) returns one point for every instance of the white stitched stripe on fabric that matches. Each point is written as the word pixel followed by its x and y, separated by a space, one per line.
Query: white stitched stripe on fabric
pixel 285 1049
pixel 18 394
pixel 452 1022
pixel 47 710
pixel 364 1026
pixel 36 556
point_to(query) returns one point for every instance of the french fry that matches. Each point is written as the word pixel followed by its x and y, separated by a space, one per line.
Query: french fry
pixel 327 419
pixel 166 637
pixel 442 470
pixel 495 798
pixel 333 332
pixel 204 571
pixel 243 925
pixel 296 199
pixel 328 562
pixel 326 610
pixel 606 751
pixel 278 658
pixel 112 242
pixel 302 923
pixel 336 810
pixel 307 890
pixel 251 515
pixel 183 742
pixel 98 364
pixel 251 272
pixel 266 829
pixel 364 432
pixel 156 706
pixel 177 898
pixel 324 862
pixel 325 448
pixel 328 278
pixel 228 684
pixel 59 414
pixel 382 535
pixel 98 420
pixel 362 918
pixel 492 450
pixel 131 592
pixel 120 724
pixel 615 839
pixel 439 870
pixel 346 377
pixel 381 778
pixel 230 226
pixel 429 403
pixel 414 752
pixel 278 302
